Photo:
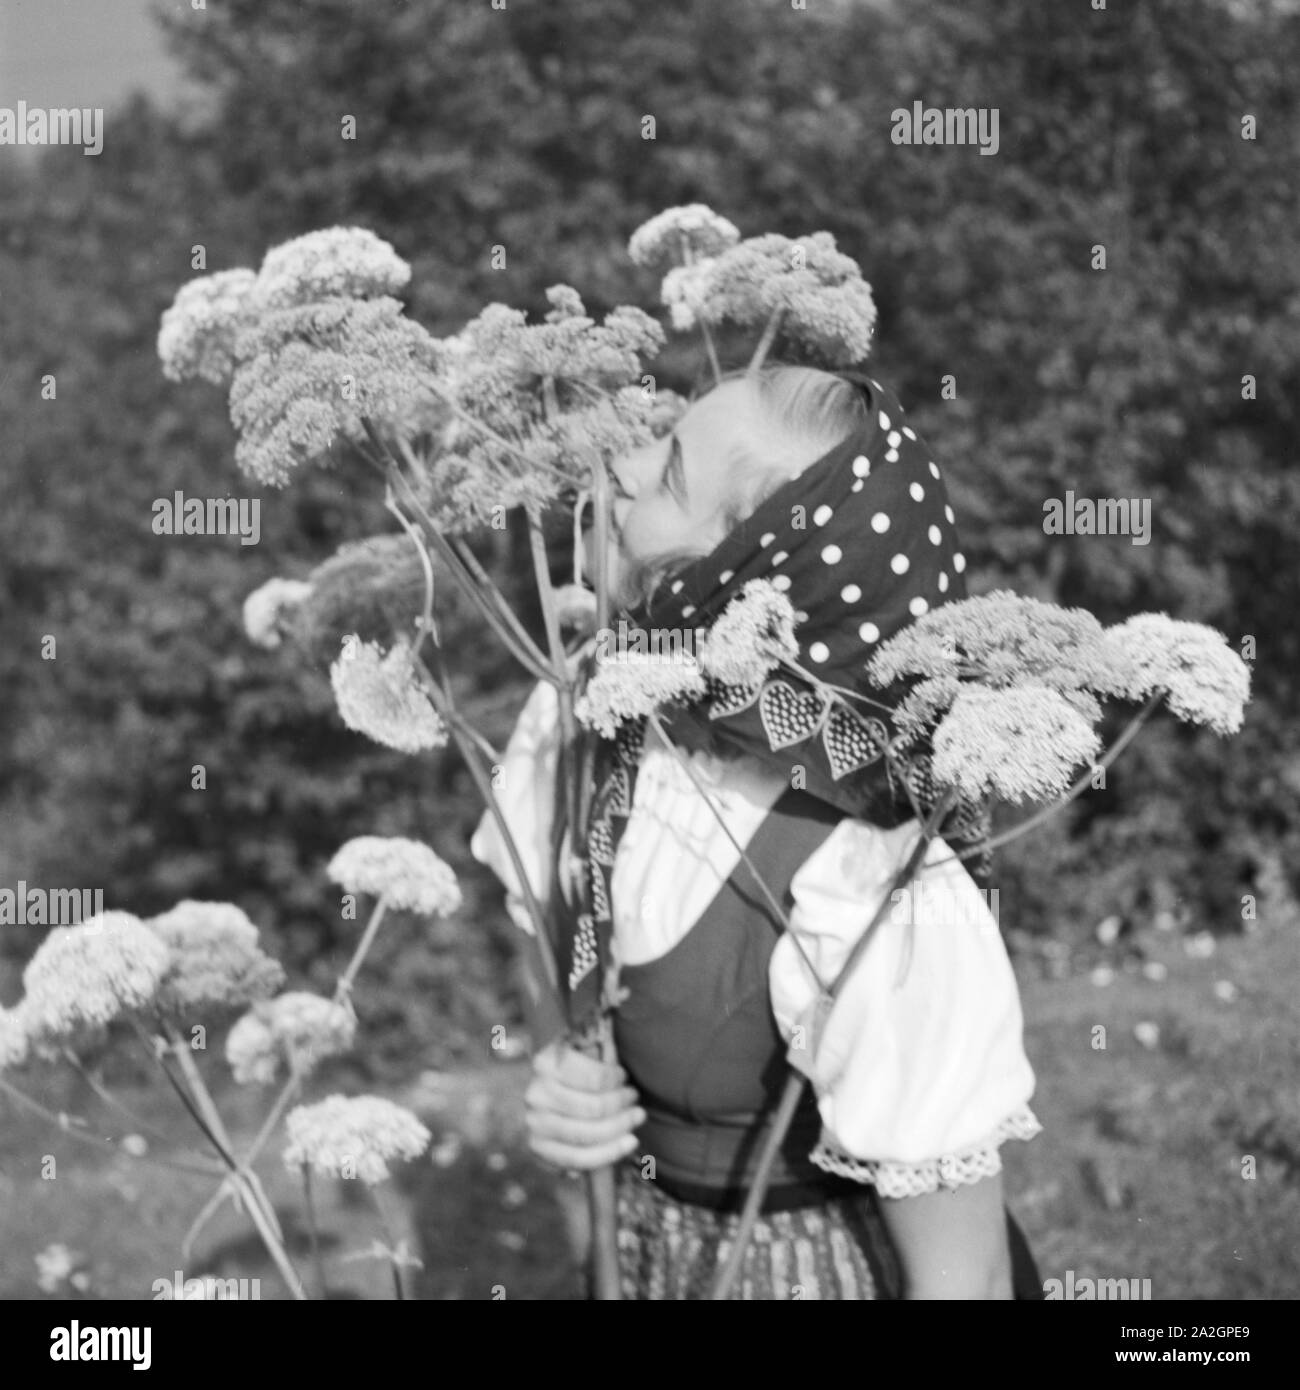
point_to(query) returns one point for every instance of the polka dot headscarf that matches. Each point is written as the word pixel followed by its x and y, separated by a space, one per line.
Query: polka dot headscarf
pixel 862 543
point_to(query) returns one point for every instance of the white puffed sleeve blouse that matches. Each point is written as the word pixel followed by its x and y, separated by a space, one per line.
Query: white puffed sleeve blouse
pixel 920 1069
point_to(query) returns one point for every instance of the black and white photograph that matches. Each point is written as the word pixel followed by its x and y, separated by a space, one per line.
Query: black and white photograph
pixel 648 652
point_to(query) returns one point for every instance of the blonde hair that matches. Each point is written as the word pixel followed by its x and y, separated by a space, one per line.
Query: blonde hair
pixel 800 414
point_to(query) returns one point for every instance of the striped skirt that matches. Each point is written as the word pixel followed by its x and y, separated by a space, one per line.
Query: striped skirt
pixel 672 1250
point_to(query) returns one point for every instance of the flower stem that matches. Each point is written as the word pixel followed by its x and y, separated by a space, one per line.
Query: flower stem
pixel 426 624
pixel 480 576
pixel 546 594
pixel 109 1099
pixel 763 888
pixel 929 829
pixel 469 563
pixel 203 1098
pixel 770 330
pixel 479 591
pixel 473 759
pixel 782 1118
pixel 204 1113
pixel 198 1089
pixel 844 691
pixel 343 990
pixel 386 1227
pixel 559 661
pixel 287 1092
pixel 21 1098
pixel 579 505
pixel 192 1108
pixel 462 414
pixel 688 259
pixel 584 756
pixel 602 1193
pixel 712 352
pixel 275 1247
pixel 600 526
pixel 224 1192
pixel 313 1231
pixel 570 870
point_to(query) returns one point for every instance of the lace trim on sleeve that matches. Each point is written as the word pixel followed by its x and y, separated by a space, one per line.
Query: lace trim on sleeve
pixel 914 1179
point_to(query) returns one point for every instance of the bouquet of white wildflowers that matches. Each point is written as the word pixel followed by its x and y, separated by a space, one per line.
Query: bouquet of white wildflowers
pixel 1005 695
pixel 166 982
pixel 505 417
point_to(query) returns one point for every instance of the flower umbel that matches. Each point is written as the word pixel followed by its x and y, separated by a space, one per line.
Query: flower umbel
pixel 753 635
pixel 999 639
pixel 315 374
pixel 685 293
pixel 409 874
pixel 334 263
pixel 630 685
pixel 196 336
pixel 251 1051
pixel 1020 743
pixel 538 406
pixel 87 976
pixel 681 234
pixel 353 1137
pixel 216 961
pixel 826 306
pixel 1204 680
pixel 300 1028
pixel 923 707
pixel 379 696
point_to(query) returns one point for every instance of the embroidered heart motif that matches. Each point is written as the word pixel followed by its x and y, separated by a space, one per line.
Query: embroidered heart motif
pixel 851 741
pixel 631 736
pixel 584 951
pixel 600 842
pixel 789 715
pixel 731 699
pixel 969 822
pixel 619 793
pixel 921 781
pixel 599 897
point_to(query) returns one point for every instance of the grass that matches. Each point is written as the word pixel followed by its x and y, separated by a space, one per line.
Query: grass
pixel 1174 1159
pixel 1178 1162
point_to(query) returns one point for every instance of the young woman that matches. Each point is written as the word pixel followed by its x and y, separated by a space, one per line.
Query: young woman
pixel 889 1182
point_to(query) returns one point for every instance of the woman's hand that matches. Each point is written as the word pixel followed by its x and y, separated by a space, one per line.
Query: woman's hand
pixel 580 1112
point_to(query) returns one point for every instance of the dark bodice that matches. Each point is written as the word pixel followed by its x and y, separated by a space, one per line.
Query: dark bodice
pixel 697 1036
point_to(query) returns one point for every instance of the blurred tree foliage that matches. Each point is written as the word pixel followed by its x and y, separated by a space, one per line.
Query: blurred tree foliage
pixel 523 128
